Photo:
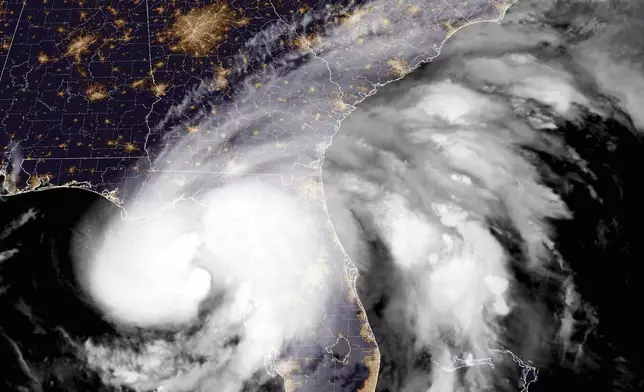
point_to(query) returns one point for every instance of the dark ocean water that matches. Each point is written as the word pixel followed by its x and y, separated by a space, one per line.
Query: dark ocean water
pixel 602 244
pixel 46 316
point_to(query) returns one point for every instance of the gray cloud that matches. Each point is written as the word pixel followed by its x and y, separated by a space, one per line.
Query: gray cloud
pixel 410 181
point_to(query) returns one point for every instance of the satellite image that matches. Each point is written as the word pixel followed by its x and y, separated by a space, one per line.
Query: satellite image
pixel 332 196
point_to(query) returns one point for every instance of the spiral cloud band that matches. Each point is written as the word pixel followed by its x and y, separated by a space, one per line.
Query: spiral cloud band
pixel 233 219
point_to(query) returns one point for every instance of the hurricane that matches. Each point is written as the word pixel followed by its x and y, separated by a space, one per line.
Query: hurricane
pixel 447 205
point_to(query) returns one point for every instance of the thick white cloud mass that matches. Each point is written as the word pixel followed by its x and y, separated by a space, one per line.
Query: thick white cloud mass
pixel 420 170
pixel 424 167
pixel 262 249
